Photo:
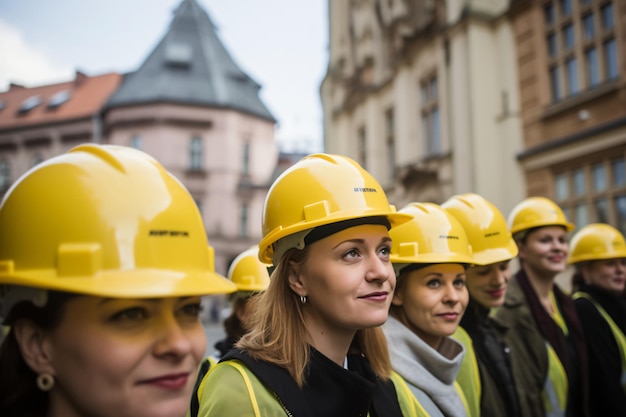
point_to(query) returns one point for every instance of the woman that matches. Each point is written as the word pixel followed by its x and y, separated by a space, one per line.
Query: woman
pixel 429 255
pixel 314 347
pixel 251 277
pixel 548 352
pixel 103 260
pixel 492 249
pixel 599 255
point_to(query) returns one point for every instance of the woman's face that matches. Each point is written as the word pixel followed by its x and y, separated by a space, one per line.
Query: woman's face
pixel 433 299
pixel 348 279
pixel 125 357
pixel 487 283
pixel 545 250
pixel 608 274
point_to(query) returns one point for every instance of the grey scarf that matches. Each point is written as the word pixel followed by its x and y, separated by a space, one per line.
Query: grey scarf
pixel 431 371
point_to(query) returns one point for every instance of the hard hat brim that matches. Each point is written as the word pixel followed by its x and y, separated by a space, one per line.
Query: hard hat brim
pixel 141 283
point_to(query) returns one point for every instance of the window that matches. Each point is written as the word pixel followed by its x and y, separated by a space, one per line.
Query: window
pixel 36 160
pixel 579 182
pixel 243 220
pixel 199 204
pixel 196 154
pixel 59 98
pixel 555 83
pixel 568 37
pixel 610 59
pixel 136 142
pixel 580 215
pixel 602 210
pixel 566 8
pixel 430 116
pixel 619 172
pixel 552 45
pixel 572 76
pixel 29 104
pixel 5 175
pixel 593 74
pixel 245 163
pixel 549 14
pixel 620 205
pixel 391 143
pixel 607 16
pixel 582 46
pixel 599 178
pixel 562 191
pixel 588 27
pixel 598 191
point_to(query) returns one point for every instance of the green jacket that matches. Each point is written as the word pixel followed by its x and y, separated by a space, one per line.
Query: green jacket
pixel 529 356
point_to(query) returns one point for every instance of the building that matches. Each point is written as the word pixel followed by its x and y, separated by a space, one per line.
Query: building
pixel 188 104
pixel 425 95
pixel 571 57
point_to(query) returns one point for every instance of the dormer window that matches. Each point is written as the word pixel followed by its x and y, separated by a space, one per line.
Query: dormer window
pixel 178 54
pixel 29 104
pixel 59 98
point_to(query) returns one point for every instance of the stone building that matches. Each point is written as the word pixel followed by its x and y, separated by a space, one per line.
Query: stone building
pixel 425 94
pixel 188 104
pixel 571 56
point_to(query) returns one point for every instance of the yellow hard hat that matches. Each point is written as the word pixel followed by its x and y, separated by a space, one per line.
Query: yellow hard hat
pixel 485 227
pixel 433 236
pixel 106 221
pixel 248 273
pixel 596 241
pixel 318 190
pixel 536 212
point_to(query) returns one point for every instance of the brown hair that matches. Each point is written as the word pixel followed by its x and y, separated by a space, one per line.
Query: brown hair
pixel 19 395
pixel 278 332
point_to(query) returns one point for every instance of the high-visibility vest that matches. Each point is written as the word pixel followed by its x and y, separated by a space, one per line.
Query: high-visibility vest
pixel 469 374
pixel 555 387
pixel 419 404
pixel 406 400
pixel 620 339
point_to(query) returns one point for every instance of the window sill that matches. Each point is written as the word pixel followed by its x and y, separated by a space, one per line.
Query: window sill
pixel 570 102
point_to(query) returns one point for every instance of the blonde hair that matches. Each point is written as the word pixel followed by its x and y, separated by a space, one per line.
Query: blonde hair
pixel 278 331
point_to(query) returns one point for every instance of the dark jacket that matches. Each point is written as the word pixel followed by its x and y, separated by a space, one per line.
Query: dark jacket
pixel 529 328
pixel 606 395
pixel 499 395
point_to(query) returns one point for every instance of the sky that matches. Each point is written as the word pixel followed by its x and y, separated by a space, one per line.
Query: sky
pixel 281 44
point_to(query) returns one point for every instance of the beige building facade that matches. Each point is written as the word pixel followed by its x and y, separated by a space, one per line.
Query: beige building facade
pixel 425 94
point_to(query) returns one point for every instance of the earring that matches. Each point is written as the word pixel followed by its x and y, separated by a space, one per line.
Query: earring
pixel 45 382
pixel 303 299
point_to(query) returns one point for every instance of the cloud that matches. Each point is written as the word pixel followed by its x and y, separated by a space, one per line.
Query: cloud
pixel 26 64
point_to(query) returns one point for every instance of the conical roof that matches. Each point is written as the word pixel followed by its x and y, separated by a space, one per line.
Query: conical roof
pixel 190 65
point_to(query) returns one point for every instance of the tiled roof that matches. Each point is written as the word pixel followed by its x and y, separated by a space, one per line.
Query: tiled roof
pixel 84 98
pixel 190 65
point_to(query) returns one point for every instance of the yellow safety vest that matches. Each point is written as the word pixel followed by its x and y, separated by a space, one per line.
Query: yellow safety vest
pixel 620 339
pixel 469 374
pixel 556 386
pixel 258 397
pixel 410 405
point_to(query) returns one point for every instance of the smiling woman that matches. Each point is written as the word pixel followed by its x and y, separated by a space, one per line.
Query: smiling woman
pixel 429 255
pixel 103 313
pixel 314 347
